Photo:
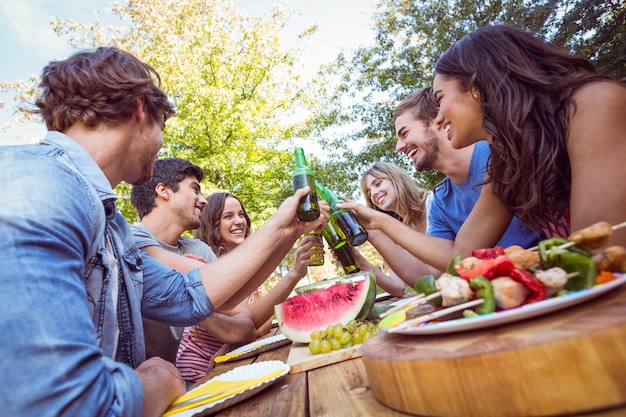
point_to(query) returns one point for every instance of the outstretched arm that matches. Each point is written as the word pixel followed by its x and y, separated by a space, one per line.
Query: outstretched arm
pixel 390 283
pixel 233 277
pixel 406 266
pixel 263 308
pixel 483 228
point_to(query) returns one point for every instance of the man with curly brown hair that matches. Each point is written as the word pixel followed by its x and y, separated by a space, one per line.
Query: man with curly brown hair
pixel 74 284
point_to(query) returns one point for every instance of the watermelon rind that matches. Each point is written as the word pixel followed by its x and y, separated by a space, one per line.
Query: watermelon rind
pixel 301 314
pixel 369 301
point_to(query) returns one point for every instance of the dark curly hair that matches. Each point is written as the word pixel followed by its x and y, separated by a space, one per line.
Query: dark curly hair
pixel 526 87
pixel 100 86
pixel 167 171
pixel 209 230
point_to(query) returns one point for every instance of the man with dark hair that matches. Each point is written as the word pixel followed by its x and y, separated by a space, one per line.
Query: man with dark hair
pixel 168 205
pixel 169 173
pixel 74 284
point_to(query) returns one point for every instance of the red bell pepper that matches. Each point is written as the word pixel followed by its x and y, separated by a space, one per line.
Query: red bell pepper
pixel 488 268
pixel 502 266
pixel 488 253
pixel 537 289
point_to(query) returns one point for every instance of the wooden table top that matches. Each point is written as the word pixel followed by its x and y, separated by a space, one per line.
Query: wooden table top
pixel 566 362
pixel 341 389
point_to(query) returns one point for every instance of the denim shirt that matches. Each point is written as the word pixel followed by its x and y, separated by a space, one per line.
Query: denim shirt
pixel 58 329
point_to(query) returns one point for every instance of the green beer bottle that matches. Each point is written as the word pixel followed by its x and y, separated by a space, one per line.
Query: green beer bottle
pixel 338 243
pixel 303 176
pixel 346 220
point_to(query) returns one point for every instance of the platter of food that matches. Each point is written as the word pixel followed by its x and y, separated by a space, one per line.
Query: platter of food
pixel 495 285
pixel 523 312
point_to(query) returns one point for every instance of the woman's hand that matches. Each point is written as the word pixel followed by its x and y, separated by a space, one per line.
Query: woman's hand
pixel 369 217
pixel 309 246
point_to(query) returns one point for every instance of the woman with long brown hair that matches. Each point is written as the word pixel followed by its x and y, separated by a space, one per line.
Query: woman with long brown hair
pixel 225 224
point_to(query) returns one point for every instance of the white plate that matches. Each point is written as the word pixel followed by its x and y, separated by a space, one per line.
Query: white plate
pixel 254 348
pixel 516 314
pixel 254 370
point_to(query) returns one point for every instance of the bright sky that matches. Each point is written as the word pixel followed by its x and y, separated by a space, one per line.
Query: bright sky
pixel 28 42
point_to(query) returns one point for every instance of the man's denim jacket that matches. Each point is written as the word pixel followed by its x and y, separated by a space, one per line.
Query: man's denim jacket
pixel 62 352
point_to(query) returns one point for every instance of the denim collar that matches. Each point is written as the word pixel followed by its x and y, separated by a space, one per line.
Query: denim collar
pixel 87 166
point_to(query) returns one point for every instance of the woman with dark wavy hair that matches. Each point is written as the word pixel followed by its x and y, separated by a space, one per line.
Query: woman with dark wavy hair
pixel 557 128
pixel 210 230
pixel 557 131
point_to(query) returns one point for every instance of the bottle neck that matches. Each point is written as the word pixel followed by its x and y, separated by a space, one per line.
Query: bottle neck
pixel 300 158
pixel 328 195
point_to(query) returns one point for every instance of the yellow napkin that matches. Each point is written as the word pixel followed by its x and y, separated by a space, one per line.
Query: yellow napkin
pixel 224 358
pixel 222 388
pixel 394 319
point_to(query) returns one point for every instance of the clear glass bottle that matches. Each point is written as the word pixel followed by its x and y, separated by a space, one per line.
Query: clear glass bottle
pixel 303 176
pixel 346 220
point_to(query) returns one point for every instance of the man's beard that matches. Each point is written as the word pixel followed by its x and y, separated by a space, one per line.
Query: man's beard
pixel 428 161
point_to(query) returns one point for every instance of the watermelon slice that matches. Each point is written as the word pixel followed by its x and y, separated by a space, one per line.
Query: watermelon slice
pixel 301 314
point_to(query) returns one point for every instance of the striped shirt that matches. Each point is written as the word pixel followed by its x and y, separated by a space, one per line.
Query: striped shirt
pixel 196 351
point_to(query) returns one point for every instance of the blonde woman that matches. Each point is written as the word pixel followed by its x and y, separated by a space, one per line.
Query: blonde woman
pixel 391 190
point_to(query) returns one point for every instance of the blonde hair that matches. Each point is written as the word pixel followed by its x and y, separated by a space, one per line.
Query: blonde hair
pixel 411 199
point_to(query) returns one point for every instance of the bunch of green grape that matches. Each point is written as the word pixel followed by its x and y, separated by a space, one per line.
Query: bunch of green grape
pixel 339 336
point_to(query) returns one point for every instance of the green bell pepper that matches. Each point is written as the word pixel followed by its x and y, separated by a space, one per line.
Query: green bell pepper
pixel 427 285
pixel 451 269
pixel 484 290
pixel 573 260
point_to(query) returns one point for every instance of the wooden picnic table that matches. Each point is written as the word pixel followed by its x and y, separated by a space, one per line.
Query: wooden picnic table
pixel 343 388
pixel 340 389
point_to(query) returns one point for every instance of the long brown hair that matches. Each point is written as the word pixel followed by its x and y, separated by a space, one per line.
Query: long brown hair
pixel 525 86
pixel 411 199
pixel 209 230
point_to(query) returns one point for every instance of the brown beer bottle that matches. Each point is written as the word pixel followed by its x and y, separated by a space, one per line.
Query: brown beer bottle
pixel 338 243
pixel 347 260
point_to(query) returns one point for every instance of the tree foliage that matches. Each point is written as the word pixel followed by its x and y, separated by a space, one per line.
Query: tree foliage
pixel 235 87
